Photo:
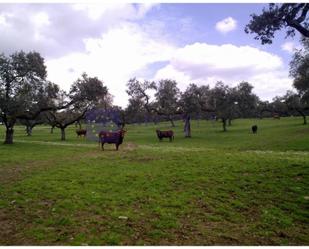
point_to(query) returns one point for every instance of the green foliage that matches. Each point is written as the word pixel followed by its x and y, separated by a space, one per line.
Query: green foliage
pixel 277 16
pixel 167 97
pixel 299 70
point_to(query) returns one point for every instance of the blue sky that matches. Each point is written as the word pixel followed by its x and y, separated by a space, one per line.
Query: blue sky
pixel 191 43
pixel 203 18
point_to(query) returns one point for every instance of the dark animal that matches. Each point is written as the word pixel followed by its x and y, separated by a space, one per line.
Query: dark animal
pixel 115 137
pixel 168 134
pixel 276 116
pixel 254 129
pixel 81 132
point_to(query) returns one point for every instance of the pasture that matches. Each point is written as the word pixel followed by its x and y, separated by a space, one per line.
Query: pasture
pixel 216 188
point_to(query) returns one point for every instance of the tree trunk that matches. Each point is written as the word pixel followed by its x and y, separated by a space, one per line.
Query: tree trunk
pixel 52 129
pixel 62 134
pixel 9 135
pixel 303 115
pixel 155 121
pixel 29 130
pixel 230 122
pixel 171 120
pixel 187 127
pixel 224 124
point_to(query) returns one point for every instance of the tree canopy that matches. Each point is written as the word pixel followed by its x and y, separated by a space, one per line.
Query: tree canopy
pixel 292 16
pixel 24 91
pixel 299 70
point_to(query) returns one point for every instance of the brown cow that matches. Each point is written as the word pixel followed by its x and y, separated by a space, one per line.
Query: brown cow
pixel 81 132
pixel 168 134
pixel 115 137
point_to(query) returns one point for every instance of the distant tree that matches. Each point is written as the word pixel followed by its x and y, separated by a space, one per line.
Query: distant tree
pixel 46 97
pixel 24 92
pixel 278 106
pixel 85 93
pixel 222 100
pixel 135 110
pixel 294 102
pixel 292 16
pixel 166 96
pixel 167 99
pixel 105 101
pixel 193 101
pixel 30 124
pixel 141 91
pixel 246 100
pixel 63 118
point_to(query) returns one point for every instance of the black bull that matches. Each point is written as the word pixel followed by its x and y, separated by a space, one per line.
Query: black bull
pixel 168 134
pixel 111 138
pixel 254 129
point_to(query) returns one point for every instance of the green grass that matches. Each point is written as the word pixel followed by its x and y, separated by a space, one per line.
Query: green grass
pixel 216 188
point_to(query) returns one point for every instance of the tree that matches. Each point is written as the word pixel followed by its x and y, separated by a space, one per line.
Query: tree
pixel 246 100
pixel 299 70
pixel 30 124
pixel 167 97
pixel 139 91
pixel 292 16
pixel 85 93
pixel 222 101
pixel 22 89
pixel 193 101
pixel 295 103
pixel 135 111
pixel 62 119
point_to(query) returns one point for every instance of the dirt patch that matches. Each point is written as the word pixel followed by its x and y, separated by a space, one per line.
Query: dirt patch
pixel 13 173
pixel 130 146
pixel 9 232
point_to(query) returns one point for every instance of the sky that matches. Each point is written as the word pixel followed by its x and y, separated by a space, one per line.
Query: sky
pixel 199 43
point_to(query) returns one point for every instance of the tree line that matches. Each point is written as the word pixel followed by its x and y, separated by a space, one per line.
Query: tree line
pixel 26 97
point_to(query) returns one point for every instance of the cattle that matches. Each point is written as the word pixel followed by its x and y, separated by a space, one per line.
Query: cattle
pixel 115 137
pixel 276 116
pixel 168 134
pixel 254 129
pixel 81 132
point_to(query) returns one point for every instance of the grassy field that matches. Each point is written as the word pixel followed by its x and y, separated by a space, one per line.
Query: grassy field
pixel 216 188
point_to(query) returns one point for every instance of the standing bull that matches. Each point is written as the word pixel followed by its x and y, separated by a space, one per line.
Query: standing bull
pixel 254 129
pixel 111 138
pixel 81 132
pixel 169 134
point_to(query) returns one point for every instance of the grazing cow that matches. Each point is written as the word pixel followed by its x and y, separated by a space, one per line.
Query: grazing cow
pixel 115 137
pixel 81 132
pixel 254 129
pixel 169 134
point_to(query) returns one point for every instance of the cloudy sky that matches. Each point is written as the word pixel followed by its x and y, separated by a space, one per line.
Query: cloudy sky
pixel 191 43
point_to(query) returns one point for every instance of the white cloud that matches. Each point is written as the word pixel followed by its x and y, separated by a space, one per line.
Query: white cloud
pixel 125 51
pixel 3 20
pixel 107 41
pixel 202 63
pixel 289 47
pixel 114 10
pixel 226 25
pixel 115 58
